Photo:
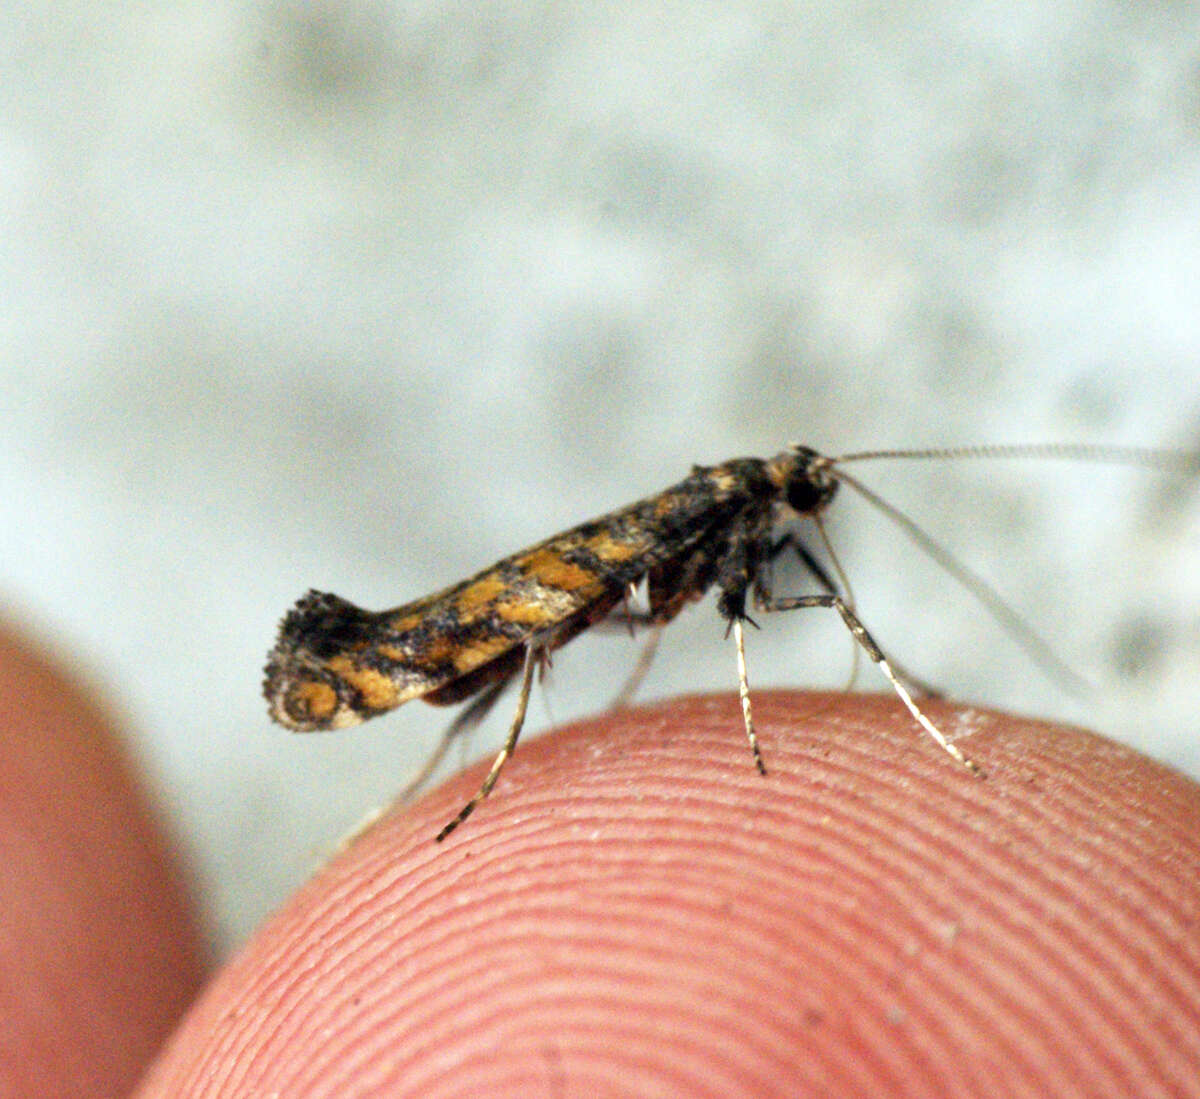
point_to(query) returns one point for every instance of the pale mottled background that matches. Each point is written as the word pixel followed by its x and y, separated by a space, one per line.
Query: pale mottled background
pixel 364 295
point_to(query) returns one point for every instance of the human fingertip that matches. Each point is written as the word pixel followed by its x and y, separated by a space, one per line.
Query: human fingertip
pixel 636 911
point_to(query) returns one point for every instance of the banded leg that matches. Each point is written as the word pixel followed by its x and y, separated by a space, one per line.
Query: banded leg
pixel 464 722
pixel 789 541
pixel 859 632
pixel 739 639
pixel 532 652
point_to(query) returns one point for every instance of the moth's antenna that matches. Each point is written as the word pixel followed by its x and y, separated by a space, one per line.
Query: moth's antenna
pixel 1013 624
pixel 1169 461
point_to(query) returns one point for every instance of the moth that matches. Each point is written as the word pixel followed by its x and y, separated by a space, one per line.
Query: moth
pixel 335 664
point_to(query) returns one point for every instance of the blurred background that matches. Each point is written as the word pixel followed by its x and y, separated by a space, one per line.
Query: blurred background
pixel 363 296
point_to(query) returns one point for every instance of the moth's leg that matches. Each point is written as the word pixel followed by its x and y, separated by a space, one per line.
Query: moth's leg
pixel 744 693
pixel 627 618
pixel 627 614
pixel 533 651
pixel 741 571
pixel 465 721
pixel 645 658
pixel 788 540
pixel 859 632
pixel 623 620
pixel 917 685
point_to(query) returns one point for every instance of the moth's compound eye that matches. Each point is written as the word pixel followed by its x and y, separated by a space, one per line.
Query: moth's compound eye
pixel 806 494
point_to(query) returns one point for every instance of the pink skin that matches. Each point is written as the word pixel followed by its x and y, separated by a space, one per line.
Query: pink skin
pixel 636 912
pixel 99 951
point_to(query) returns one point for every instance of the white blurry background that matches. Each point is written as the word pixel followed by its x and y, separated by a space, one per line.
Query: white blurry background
pixel 362 296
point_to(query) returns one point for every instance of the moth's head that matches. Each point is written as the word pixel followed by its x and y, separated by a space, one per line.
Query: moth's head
pixel 805 479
